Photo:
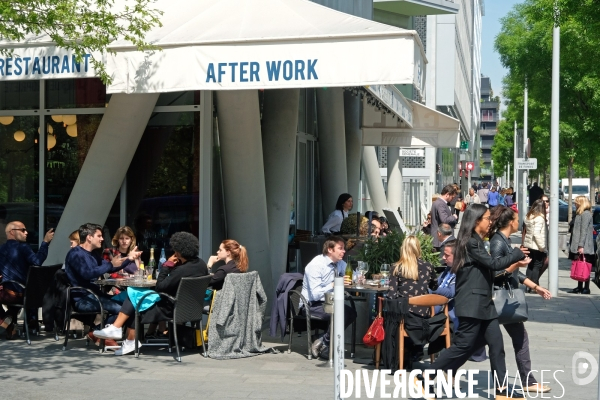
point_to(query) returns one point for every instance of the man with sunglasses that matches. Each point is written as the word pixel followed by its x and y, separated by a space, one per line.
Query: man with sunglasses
pixel 16 257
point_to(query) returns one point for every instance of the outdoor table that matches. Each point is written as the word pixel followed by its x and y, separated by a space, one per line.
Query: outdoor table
pixel 373 292
pixel 126 282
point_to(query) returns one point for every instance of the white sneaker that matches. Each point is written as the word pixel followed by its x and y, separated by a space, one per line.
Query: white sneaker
pixel 109 332
pixel 128 346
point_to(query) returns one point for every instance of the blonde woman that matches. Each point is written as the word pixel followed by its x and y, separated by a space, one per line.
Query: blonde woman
pixel 411 276
pixel 535 239
pixel 582 238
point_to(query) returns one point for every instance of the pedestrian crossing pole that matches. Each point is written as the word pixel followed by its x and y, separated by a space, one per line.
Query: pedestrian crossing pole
pixel 337 338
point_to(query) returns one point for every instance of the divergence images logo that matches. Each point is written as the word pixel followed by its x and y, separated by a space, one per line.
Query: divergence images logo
pixel 584 362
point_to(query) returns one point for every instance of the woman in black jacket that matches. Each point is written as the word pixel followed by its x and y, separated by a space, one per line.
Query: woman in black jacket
pixel 183 264
pixel 504 223
pixel 474 307
pixel 236 261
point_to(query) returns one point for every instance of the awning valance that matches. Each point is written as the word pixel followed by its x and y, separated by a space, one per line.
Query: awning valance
pixel 265 44
pixel 430 128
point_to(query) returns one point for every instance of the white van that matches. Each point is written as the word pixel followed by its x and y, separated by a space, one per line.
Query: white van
pixel 581 187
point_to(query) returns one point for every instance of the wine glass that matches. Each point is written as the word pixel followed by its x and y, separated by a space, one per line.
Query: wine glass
pixel 363 267
pixel 385 273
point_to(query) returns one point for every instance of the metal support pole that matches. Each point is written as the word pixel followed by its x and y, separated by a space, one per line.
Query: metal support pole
pixel 554 160
pixel 337 340
pixel 525 172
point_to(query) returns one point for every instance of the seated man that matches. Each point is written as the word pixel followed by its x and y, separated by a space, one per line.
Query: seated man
pixel 318 280
pixel 444 234
pixel 83 266
pixel 16 257
pixel 447 281
pixel 186 264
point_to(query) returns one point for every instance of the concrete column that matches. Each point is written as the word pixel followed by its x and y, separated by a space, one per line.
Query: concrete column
pixel 332 146
pixel 244 177
pixel 280 123
pixel 394 176
pixel 353 144
pixel 373 178
pixel 104 168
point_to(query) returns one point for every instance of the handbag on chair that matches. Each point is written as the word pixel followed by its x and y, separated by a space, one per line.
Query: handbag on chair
pixel 375 334
pixel 510 304
pixel 580 269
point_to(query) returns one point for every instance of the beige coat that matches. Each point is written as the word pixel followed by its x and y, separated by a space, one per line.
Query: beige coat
pixel 535 235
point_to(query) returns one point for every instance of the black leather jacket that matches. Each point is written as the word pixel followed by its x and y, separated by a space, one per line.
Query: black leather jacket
pixel 500 246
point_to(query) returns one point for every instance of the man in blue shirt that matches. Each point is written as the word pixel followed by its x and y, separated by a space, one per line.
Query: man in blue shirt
pixel 82 266
pixel 447 281
pixel 16 257
pixel 318 280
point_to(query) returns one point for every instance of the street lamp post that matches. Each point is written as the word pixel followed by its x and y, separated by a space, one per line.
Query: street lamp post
pixel 554 161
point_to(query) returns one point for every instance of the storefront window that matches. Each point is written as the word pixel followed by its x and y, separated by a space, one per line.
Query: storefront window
pixel 75 93
pixel 19 95
pixel 179 98
pixel 19 187
pixel 163 180
pixel 69 138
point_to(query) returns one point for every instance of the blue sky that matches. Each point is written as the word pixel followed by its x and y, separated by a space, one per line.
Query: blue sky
pixel 490 61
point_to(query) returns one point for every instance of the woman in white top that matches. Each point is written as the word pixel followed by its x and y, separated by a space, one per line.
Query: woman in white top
pixel 535 239
pixel 335 219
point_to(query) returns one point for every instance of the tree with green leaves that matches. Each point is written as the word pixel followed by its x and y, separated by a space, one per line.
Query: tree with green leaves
pixel 525 48
pixel 83 26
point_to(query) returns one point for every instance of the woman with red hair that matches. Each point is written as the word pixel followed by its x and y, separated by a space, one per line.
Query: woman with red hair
pixel 236 261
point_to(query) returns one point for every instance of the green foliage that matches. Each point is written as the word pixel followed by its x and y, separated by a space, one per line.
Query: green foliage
pixel 349 225
pixel 386 250
pixel 84 26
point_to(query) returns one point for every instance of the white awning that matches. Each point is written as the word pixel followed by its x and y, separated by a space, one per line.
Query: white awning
pixel 265 44
pixel 430 128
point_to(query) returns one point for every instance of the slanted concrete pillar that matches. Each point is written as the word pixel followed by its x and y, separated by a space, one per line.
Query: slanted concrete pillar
pixel 280 123
pixel 332 146
pixel 394 176
pixel 104 168
pixel 353 144
pixel 373 178
pixel 244 177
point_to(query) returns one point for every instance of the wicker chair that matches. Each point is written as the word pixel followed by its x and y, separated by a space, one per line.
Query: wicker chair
pixel 188 307
pixel 70 313
pixel 38 281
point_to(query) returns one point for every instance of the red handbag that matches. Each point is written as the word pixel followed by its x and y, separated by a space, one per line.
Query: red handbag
pixel 375 334
pixel 580 269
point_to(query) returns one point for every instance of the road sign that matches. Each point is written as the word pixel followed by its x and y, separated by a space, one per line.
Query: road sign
pixel 470 165
pixel 530 163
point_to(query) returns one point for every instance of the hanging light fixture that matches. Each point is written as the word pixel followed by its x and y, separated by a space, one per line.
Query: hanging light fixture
pixel 50 141
pixel 57 118
pixel 19 136
pixel 72 130
pixel 6 120
pixel 69 119
pixel 49 129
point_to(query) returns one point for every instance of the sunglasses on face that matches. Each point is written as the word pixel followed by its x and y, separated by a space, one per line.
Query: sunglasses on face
pixel 19 229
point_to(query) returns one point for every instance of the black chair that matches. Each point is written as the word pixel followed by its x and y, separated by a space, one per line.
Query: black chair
pixel 188 306
pixel 70 313
pixel 38 281
pixel 308 251
pixel 295 316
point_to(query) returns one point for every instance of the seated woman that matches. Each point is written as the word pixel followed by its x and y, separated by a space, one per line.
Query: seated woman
pixel 334 221
pixel 236 261
pixel 187 264
pixel 411 275
pixel 123 242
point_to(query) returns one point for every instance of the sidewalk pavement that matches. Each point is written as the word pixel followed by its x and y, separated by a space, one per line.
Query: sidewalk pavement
pixel 557 329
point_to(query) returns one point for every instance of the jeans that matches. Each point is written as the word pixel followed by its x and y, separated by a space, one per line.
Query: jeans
pixel 88 303
pixel 535 266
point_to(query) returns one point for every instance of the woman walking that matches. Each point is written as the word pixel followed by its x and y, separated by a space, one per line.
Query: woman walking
pixel 505 222
pixel 535 239
pixel 582 239
pixel 474 307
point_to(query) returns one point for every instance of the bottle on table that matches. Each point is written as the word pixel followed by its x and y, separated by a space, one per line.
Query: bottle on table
pixel 161 261
pixel 151 264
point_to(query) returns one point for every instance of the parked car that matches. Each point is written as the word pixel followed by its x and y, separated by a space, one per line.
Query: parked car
pixel 563 210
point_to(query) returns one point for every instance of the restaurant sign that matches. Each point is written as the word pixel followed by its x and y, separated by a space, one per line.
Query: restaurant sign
pixel 44 63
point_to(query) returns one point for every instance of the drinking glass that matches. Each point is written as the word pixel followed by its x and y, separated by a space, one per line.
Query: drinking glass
pixel 363 267
pixel 138 276
pixel 385 273
pixel 149 271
